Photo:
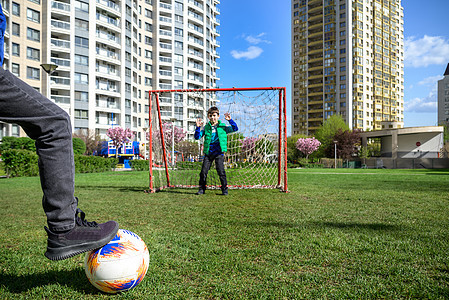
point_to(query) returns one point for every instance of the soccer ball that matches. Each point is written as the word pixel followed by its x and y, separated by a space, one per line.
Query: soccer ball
pixel 118 266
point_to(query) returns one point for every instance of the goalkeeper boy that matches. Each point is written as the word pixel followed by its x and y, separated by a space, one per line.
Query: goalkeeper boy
pixel 215 144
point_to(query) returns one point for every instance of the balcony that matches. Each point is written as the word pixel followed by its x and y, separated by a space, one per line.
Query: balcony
pixel 60 62
pixel 60 44
pixel 110 6
pixel 60 7
pixel 55 80
pixel 55 24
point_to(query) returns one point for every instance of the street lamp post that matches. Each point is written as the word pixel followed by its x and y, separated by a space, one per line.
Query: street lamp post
pixel 49 69
pixel 335 154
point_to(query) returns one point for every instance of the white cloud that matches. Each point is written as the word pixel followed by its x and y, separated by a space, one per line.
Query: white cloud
pixel 423 105
pixel 251 53
pixel 430 81
pixel 256 39
pixel 428 50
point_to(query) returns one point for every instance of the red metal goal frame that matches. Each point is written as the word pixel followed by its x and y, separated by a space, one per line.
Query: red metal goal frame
pixel 282 163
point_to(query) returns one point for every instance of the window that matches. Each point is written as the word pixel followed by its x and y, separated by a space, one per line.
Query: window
pixel 81 96
pixel 179 19
pixel 179 32
pixel 15 69
pixel 15 49
pixel 81 114
pixel 148 54
pixel 178 6
pixel 33 15
pixel 81 42
pixel 81 60
pixel 16 9
pixel 178 71
pixel 148 27
pixel 15 28
pixel 179 45
pixel 147 81
pixel 33 35
pixel 81 6
pixel 148 40
pixel 81 24
pixel 148 13
pixel 81 78
pixel 148 68
pixel 33 53
pixel 178 58
pixel 35 1
pixel 33 73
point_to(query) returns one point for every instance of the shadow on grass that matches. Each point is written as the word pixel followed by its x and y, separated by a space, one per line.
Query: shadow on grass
pixel 110 187
pixel 75 279
pixel 317 224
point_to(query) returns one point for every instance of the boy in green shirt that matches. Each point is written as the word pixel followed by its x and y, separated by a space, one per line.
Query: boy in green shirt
pixel 215 144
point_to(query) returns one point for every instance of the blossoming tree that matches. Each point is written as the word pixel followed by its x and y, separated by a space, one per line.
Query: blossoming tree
pixel 119 136
pixel 307 145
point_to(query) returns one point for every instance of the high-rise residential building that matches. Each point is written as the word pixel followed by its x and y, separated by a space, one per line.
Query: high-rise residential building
pixel 347 59
pixel 110 53
pixel 443 99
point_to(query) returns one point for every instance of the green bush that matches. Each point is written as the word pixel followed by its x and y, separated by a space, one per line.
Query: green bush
pixel 94 164
pixel 139 164
pixel 22 143
pixel 19 162
pixel 79 147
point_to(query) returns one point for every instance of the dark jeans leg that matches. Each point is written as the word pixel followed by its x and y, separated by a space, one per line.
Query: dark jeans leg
pixel 204 170
pixel 219 166
pixel 49 126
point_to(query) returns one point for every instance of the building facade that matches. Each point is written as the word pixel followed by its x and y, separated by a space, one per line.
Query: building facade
pixel 347 59
pixel 110 53
pixel 443 99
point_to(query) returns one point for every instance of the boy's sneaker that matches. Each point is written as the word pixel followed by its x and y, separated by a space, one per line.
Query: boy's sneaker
pixel 224 192
pixel 200 192
pixel 85 236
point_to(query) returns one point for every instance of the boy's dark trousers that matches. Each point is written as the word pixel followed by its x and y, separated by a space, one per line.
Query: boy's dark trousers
pixel 49 126
pixel 219 166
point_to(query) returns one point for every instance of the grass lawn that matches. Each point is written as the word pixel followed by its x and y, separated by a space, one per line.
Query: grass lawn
pixel 340 234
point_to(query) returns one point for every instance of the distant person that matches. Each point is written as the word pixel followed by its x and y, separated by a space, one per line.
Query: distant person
pixel 215 144
pixel 68 232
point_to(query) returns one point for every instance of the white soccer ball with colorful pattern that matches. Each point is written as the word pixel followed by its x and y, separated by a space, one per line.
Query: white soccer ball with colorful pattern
pixel 120 265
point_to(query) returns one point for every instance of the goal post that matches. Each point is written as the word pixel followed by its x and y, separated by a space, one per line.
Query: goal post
pixel 257 152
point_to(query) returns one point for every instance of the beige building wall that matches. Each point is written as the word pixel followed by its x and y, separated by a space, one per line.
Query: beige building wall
pixel 347 59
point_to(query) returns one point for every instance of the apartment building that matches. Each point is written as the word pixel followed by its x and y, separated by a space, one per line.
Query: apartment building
pixel 111 53
pixel 347 59
pixel 443 99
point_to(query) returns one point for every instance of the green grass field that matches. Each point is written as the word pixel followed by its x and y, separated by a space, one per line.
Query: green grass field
pixel 340 234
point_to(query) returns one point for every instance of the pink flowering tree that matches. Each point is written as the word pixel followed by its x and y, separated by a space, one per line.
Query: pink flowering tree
pixel 249 146
pixel 119 136
pixel 307 145
pixel 168 130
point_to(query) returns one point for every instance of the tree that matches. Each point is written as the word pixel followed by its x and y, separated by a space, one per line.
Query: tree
pixel 307 145
pixel 90 138
pixel 347 141
pixel 249 146
pixel 293 154
pixel 167 130
pixel 326 132
pixel 79 147
pixel 188 148
pixel 119 136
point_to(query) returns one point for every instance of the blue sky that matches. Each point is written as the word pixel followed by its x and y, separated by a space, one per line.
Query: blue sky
pixel 255 50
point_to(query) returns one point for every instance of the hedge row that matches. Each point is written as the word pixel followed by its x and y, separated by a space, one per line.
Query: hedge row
pixel 139 164
pixel 19 163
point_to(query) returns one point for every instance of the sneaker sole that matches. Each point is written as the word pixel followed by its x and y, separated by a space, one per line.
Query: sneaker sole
pixel 70 251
